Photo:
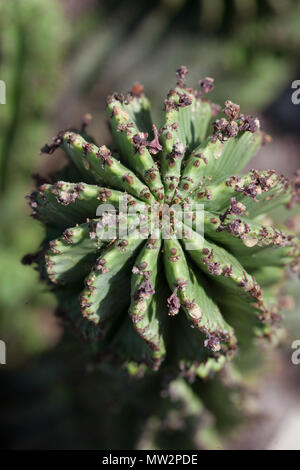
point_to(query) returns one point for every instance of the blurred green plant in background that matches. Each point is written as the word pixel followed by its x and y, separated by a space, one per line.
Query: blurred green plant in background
pixel 31 35
pixel 250 47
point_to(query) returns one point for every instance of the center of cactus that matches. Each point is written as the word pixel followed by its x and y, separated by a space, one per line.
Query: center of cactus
pixel 193 291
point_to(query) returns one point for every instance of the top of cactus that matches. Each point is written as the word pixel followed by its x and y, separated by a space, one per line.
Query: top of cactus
pixel 212 254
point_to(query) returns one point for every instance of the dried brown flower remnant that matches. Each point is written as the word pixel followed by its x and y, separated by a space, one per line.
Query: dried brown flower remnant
pixel 206 85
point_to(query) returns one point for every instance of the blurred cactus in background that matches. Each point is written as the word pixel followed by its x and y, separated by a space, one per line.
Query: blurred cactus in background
pixel 30 55
pixel 250 47
pixel 53 398
pixel 222 281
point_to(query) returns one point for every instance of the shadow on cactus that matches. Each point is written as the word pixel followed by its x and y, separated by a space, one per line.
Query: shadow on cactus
pixel 193 299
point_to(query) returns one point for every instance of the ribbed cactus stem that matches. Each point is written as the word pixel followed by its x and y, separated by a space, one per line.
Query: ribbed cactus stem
pixel 124 249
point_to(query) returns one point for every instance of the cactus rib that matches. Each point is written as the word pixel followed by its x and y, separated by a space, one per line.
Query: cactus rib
pixel 166 294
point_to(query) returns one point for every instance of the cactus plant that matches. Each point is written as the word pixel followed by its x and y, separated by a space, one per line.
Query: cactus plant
pixel 192 301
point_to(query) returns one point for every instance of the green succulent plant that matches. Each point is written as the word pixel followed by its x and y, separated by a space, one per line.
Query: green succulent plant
pixel 193 295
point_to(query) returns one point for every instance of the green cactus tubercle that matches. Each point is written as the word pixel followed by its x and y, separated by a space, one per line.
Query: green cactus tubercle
pixel 191 308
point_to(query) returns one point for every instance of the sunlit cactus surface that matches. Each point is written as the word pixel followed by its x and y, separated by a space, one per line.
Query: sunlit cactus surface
pixel 161 254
